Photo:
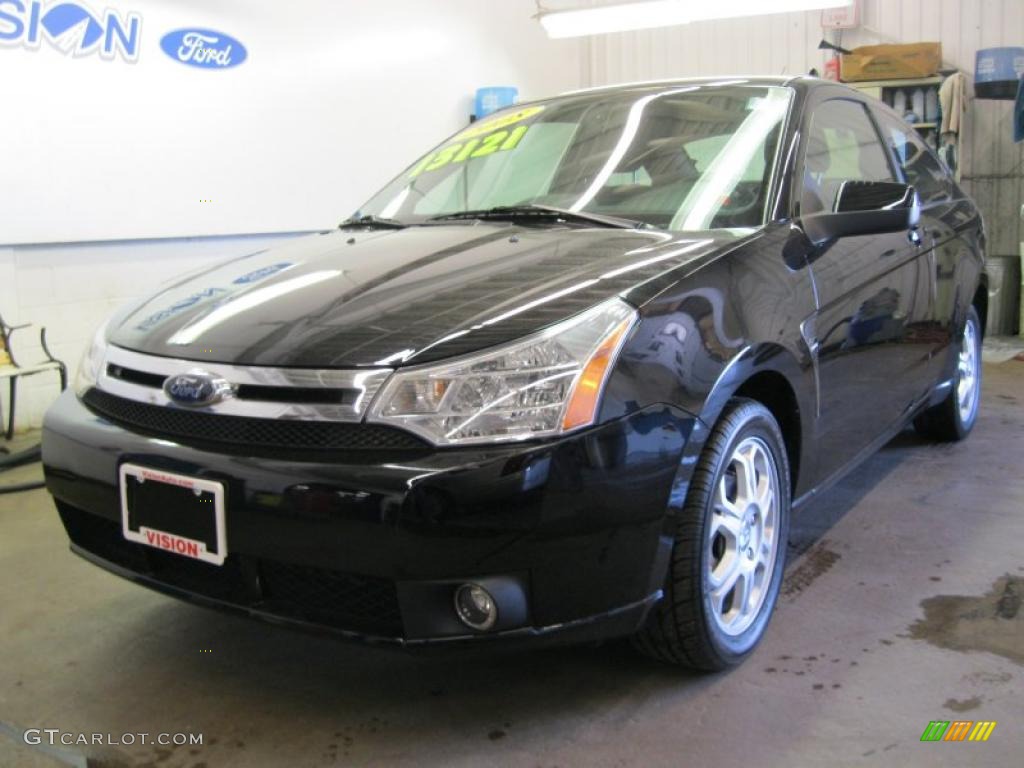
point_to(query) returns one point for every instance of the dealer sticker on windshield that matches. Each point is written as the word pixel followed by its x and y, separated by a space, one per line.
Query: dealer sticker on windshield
pixel 483 138
pixel 488 124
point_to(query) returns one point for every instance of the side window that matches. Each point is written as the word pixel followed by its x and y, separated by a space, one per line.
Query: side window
pixel 842 145
pixel 920 167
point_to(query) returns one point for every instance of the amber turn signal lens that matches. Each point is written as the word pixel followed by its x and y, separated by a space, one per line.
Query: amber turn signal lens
pixel 583 401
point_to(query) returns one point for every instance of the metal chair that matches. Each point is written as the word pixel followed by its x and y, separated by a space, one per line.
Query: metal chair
pixel 10 370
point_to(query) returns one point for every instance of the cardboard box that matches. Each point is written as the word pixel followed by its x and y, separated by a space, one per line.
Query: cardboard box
pixel 891 62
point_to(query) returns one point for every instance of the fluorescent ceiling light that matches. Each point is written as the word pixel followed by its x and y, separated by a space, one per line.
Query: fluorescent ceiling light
pixel 615 18
pixel 624 17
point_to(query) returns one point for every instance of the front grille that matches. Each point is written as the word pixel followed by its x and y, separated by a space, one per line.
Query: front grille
pixel 154 380
pixel 102 537
pixel 261 392
pixel 222 582
pixel 342 600
pixel 251 436
pixel 331 597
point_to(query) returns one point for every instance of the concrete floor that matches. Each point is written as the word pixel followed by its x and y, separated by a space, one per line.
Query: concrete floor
pixel 900 606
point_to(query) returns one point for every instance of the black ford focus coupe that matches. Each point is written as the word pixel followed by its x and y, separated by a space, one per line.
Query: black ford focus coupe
pixel 564 378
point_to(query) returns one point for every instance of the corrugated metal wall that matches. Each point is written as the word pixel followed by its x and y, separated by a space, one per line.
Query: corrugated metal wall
pixel 991 164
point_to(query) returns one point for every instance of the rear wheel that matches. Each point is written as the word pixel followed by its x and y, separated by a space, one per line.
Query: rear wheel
pixel 730 546
pixel 954 417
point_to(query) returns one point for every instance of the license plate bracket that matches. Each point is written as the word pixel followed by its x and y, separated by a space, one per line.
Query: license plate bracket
pixel 172 512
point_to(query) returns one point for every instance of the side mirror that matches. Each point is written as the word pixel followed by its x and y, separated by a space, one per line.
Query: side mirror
pixel 866 208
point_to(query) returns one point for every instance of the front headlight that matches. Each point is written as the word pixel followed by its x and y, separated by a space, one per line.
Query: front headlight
pixel 543 385
pixel 90 365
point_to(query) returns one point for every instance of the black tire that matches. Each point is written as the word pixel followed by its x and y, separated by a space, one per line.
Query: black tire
pixel 681 629
pixel 945 422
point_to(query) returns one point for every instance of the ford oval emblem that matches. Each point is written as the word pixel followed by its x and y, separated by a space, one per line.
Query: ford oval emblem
pixel 205 48
pixel 196 388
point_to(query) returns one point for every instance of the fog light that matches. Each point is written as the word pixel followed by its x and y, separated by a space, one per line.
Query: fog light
pixel 475 607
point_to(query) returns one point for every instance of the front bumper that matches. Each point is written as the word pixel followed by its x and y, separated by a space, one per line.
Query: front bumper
pixel 372 546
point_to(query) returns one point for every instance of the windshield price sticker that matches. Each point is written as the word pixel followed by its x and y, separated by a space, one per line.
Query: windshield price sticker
pixel 479 140
pixel 499 141
pixel 481 127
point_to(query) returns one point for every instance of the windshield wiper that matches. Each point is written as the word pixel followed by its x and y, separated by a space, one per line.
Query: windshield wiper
pixel 373 222
pixel 542 211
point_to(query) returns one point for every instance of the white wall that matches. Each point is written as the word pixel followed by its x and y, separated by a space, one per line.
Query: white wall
pixel 335 98
pixel 992 165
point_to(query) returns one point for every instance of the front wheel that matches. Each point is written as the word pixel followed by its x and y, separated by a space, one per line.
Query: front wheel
pixel 730 546
pixel 954 417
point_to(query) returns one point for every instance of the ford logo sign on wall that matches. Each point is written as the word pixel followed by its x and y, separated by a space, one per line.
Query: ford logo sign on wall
pixel 204 48
pixel 196 388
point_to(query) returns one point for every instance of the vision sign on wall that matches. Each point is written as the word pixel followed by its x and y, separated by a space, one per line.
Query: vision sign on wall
pixel 75 30
pixel 70 27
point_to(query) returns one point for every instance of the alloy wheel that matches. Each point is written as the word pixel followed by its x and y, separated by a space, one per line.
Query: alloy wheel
pixel 967 373
pixel 743 536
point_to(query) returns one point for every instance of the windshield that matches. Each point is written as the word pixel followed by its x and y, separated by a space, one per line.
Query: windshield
pixel 692 157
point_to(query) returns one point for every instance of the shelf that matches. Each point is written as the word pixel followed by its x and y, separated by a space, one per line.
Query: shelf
pixel 935 80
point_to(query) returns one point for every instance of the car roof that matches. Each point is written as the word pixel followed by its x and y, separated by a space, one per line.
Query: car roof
pixel 799 82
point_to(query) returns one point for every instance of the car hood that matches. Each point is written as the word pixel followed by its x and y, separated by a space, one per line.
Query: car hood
pixel 396 297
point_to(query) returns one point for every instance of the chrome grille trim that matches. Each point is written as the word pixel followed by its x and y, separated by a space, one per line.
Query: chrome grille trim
pixel 365 382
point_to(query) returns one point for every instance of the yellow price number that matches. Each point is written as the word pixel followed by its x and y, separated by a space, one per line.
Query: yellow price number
pixel 477 146
pixel 503 120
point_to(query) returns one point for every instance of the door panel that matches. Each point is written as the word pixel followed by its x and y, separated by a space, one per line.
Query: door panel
pixel 873 294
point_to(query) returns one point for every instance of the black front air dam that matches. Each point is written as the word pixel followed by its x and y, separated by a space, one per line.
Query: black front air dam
pixel 580 520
